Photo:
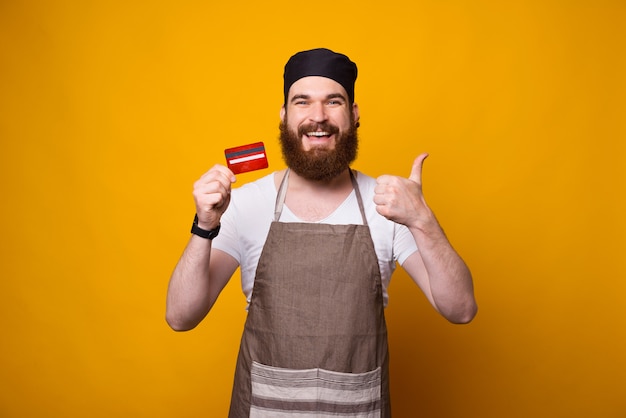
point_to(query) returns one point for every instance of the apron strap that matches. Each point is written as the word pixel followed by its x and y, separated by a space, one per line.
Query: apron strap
pixel 282 192
pixel 359 200
pixel 280 197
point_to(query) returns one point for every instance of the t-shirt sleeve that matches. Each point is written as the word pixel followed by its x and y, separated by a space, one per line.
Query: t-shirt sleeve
pixel 403 243
pixel 228 238
pixel 246 222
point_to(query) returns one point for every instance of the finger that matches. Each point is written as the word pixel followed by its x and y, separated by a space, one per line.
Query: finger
pixel 383 210
pixel 215 186
pixel 220 171
pixel 214 199
pixel 208 202
pixel 416 170
pixel 380 188
pixel 384 179
pixel 226 172
pixel 379 199
pixel 216 175
pixel 208 195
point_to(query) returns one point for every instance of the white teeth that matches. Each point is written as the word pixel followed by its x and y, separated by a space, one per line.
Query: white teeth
pixel 318 134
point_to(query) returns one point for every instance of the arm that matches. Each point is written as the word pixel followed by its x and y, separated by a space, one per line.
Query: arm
pixel 201 273
pixel 436 267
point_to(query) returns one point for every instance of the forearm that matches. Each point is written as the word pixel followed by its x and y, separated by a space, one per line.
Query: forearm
pixel 436 268
pixel 201 273
pixel 449 278
pixel 188 294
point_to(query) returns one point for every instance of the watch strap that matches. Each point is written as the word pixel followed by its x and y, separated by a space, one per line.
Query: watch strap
pixel 210 234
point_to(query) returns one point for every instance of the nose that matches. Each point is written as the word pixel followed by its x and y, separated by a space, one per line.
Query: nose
pixel 318 113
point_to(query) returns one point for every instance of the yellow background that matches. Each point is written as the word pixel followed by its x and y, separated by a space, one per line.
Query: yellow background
pixel 110 110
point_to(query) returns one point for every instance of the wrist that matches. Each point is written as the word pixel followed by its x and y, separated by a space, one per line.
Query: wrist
pixel 203 231
pixel 428 226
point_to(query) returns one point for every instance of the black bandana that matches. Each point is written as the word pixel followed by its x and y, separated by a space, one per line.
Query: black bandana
pixel 324 63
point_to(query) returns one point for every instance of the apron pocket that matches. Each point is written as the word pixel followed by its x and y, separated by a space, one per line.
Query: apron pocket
pixel 279 392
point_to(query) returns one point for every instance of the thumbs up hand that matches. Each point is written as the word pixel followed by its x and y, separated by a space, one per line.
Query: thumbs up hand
pixel 401 200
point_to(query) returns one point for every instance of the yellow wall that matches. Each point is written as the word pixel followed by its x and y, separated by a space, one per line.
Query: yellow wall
pixel 110 110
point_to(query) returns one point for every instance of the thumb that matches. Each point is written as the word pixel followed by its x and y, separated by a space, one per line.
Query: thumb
pixel 416 170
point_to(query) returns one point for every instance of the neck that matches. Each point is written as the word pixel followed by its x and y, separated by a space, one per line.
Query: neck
pixel 312 201
pixel 339 182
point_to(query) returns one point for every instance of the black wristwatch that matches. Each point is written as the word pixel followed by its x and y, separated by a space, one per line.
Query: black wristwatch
pixel 196 230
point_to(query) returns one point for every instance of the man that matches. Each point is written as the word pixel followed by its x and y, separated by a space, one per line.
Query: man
pixel 316 244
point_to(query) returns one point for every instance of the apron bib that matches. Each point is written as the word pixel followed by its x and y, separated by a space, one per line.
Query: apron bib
pixel 315 339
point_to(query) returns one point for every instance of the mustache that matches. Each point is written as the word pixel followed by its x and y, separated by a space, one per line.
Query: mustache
pixel 312 127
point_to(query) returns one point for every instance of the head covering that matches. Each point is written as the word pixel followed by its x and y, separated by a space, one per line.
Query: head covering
pixel 321 62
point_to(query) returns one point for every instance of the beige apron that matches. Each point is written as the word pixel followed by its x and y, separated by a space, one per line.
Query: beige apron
pixel 315 339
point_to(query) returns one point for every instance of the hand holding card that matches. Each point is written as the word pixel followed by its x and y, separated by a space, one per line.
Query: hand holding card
pixel 246 158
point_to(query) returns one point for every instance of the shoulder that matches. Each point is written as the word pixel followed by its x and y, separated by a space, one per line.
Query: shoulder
pixel 255 196
pixel 254 192
pixel 366 183
pixel 363 178
pixel 248 216
pixel 263 184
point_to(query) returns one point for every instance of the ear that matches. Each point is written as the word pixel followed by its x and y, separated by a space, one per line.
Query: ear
pixel 283 112
pixel 355 113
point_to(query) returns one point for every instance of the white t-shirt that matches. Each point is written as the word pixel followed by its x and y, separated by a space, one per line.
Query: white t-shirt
pixel 246 223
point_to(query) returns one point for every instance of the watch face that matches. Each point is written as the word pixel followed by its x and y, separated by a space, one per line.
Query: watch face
pixel 213 233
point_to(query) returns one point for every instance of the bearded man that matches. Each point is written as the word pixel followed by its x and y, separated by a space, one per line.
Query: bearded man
pixel 316 244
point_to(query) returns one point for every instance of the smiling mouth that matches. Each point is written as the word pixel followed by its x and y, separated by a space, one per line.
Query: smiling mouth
pixel 318 134
pixel 318 131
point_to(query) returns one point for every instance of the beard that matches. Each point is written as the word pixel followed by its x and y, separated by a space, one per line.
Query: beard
pixel 318 164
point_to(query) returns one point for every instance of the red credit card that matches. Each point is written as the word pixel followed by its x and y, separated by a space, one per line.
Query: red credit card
pixel 246 158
